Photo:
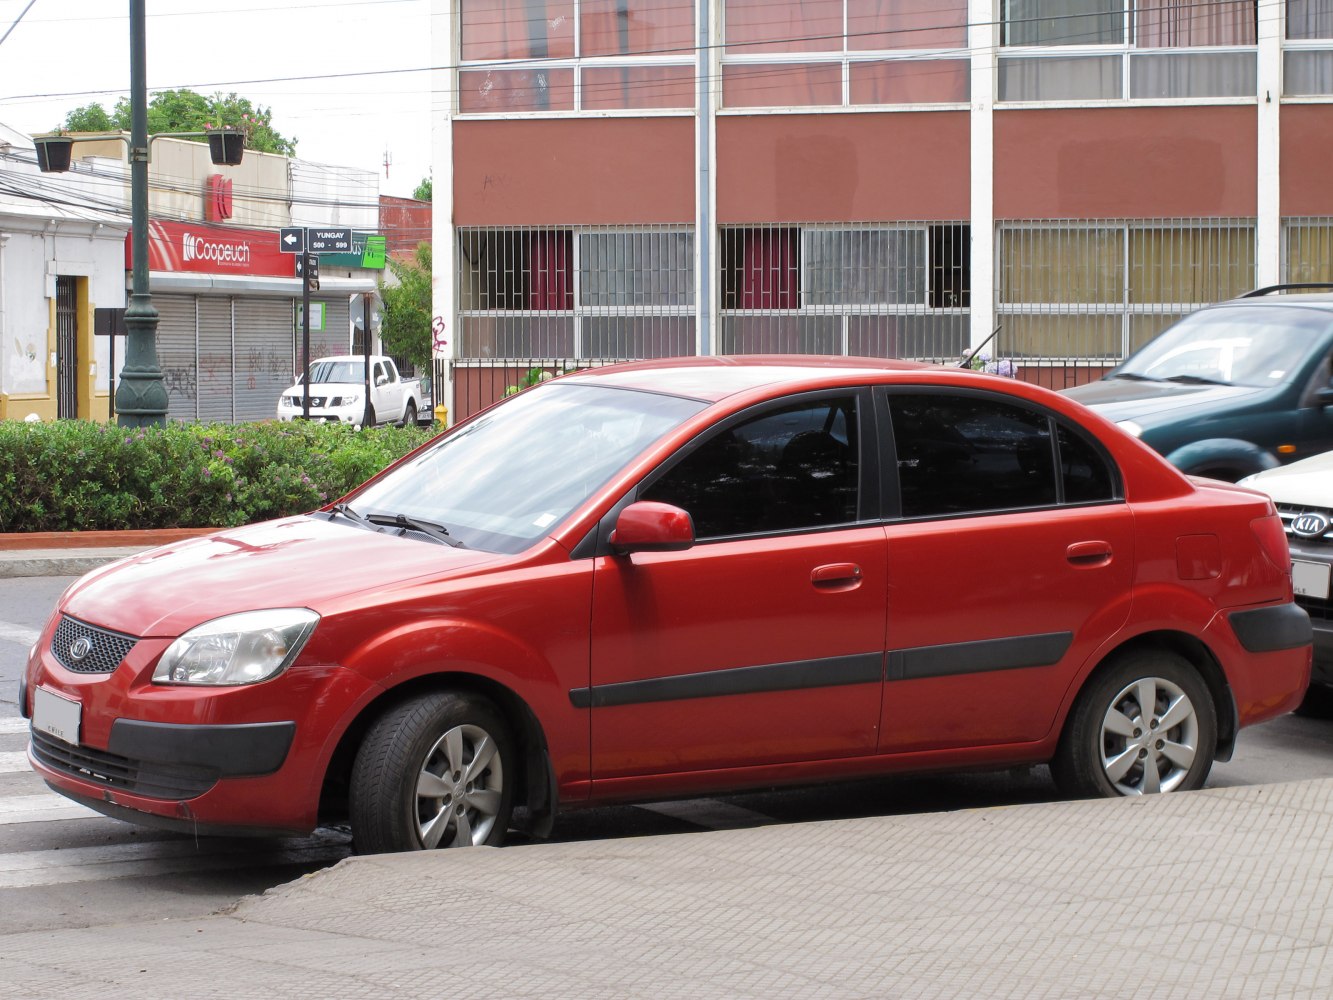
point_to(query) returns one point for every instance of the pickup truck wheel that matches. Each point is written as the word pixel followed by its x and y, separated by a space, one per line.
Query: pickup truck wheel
pixel 430 773
pixel 1147 725
pixel 410 414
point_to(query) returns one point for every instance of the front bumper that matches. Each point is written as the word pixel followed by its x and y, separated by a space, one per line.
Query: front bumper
pixel 1319 609
pixel 330 415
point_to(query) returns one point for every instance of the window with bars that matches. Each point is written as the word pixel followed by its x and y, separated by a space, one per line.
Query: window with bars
pixel 899 290
pixel 1307 249
pixel 1056 50
pixel 576 292
pixel 1102 290
pixel 798 53
pixel 525 56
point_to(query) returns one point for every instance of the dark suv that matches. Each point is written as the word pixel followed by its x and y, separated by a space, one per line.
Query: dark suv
pixel 1232 389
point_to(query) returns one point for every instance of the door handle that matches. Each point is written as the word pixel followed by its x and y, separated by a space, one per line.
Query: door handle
pixel 1087 555
pixel 836 576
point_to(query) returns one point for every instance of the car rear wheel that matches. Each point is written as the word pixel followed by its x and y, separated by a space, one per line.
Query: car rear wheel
pixel 432 773
pixel 410 415
pixel 1145 726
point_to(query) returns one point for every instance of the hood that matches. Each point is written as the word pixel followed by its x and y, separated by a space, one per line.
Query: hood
pixel 295 562
pixel 1304 484
pixel 1128 399
pixel 326 388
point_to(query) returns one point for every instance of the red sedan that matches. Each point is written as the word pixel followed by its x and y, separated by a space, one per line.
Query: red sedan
pixel 681 577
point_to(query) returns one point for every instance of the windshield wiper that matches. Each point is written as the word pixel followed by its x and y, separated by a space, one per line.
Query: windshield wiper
pixel 1134 377
pixel 346 511
pixel 1196 380
pixel 437 531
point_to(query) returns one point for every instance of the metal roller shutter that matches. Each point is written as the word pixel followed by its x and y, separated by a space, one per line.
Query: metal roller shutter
pixel 215 360
pixel 176 354
pixel 264 362
pixel 336 337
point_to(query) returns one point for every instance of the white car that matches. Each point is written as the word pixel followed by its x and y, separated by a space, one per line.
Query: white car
pixel 338 393
pixel 1303 493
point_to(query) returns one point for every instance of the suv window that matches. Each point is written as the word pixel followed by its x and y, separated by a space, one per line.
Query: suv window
pixel 969 453
pixel 789 469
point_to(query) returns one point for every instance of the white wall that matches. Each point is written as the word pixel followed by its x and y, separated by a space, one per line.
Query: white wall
pixel 325 195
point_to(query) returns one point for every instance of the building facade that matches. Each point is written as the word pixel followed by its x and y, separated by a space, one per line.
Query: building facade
pixel 638 178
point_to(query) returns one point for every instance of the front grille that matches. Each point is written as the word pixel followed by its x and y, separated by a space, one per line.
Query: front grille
pixel 104 650
pixel 1290 511
pixel 151 779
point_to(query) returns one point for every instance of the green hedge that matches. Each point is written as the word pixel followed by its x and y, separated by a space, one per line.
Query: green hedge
pixel 77 476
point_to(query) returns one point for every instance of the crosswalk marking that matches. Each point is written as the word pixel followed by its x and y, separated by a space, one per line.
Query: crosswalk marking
pixel 13 724
pixel 41 808
pixel 18 633
pixel 13 762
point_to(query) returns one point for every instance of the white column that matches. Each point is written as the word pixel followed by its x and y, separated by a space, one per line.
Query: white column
pixel 444 239
pixel 707 15
pixel 982 38
pixel 1268 208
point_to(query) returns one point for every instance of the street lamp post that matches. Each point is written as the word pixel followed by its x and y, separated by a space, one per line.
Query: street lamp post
pixel 141 396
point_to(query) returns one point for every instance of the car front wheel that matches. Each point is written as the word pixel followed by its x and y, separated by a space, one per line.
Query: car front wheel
pixel 410 415
pixel 1147 725
pixel 432 772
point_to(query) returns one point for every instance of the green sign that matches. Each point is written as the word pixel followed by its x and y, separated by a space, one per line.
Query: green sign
pixel 316 315
pixel 368 252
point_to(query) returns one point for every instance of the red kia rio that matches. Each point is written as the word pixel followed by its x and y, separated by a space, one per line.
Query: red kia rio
pixel 676 578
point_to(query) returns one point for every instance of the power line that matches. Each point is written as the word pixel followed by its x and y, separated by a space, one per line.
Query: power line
pixel 10 30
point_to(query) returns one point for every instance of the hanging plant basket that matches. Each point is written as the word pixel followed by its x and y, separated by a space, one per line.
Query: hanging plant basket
pixel 54 153
pixel 226 146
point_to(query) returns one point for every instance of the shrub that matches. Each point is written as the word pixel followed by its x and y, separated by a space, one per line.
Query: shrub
pixel 77 476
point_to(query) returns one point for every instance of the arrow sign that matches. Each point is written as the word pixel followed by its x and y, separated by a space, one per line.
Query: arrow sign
pixel 324 239
pixel 291 239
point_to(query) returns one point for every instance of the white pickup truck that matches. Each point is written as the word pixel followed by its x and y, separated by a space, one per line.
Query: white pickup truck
pixel 338 393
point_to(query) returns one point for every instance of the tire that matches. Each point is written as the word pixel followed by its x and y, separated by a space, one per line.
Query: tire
pixel 1318 703
pixel 410 414
pixel 435 771
pixel 1107 750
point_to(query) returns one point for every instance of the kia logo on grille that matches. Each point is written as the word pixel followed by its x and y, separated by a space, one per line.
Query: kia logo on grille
pixel 1309 525
pixel 80 648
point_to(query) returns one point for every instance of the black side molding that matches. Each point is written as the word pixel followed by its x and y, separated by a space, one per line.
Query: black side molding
pixel 1266 630
pixel 1012 653
pixel 230 751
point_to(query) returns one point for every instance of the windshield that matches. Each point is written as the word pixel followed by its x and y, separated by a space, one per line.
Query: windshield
pixel 507 478
pixel 337 371
pixel 1255 346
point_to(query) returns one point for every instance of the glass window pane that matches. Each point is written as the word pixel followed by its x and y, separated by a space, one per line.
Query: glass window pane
pixel 1064 22
pixel 501 90
pixel 787 470
pixel 1062 335
pixel 1062 265
pixel 517 29
pixel 638 336
pixel 783 26
pixel 1176 23
pixel 636 269
pixel 1078 78
pixel 937 337
pixel 1307 73
pixel 865 266
pixel 1309 252
pixel 619 87
pixel 923 81
pixel 906 24
pixel 1144 327
pixel 1310 18
pixel 781 335
pixel 1087 477
pixel 516 337
pixel 1190 266
pixel 1193 74
pixel 624 27
pixel 960 454
pixel 780 86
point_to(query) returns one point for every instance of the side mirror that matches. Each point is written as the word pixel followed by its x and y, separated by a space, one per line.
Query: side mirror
pixel 381 379
pixel 648 526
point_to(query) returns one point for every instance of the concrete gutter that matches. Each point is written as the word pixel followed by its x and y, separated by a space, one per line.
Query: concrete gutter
pixel 73 553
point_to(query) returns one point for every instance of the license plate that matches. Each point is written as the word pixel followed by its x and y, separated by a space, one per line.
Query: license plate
pixel 1310 579
pixel 56 716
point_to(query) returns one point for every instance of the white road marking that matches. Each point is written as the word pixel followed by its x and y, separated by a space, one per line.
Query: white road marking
pixel 41 808
pixel 13 762
pixel 20 634
pixel 709 813
pixel 13 724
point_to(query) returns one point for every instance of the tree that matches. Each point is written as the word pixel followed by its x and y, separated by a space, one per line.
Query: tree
pixel 188 111
pixel 423 190
pixel 405 331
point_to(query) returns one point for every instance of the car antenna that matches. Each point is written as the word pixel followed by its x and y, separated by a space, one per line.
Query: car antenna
pixel 967 358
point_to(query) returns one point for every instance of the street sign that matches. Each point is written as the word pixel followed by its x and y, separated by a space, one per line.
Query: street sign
pixel 291 239
pixel 312 271
pixel 326 240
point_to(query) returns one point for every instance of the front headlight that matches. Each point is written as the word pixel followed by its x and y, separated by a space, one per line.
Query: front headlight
pixel 344 400
pixel 238 649
pixel 1130 428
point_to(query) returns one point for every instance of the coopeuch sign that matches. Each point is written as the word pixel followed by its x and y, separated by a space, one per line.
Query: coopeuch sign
pixel 199 248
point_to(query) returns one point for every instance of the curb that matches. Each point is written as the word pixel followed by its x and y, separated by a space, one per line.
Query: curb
pixel 146 538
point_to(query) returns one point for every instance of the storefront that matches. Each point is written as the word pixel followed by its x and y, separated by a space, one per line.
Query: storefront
pixel 229 335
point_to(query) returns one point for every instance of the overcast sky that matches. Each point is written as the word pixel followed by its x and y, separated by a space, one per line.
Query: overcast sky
pixel 77 51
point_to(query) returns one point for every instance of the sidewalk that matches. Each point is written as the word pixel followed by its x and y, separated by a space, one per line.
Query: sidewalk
pixel 74 553
pixel 1225 893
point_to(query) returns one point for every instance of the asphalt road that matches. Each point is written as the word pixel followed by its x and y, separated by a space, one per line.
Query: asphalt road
pixel 64 866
